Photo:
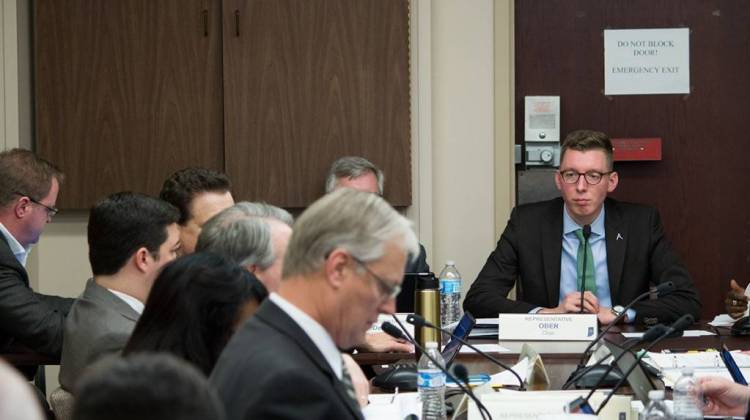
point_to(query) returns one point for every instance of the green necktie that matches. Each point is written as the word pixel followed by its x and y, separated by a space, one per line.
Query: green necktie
pixel 590 275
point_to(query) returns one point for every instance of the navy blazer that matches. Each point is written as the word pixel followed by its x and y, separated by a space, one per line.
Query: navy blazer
pixel 529 252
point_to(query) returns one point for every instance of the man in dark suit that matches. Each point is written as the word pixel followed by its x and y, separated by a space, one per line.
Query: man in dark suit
pixel 360 174
pixel 541 249
pixel 131 237
pixel 28 193
pixel 343 266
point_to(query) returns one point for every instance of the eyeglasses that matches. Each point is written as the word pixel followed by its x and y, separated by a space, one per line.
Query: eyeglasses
pixel 386 288
pixel 51 211
pixel 591 177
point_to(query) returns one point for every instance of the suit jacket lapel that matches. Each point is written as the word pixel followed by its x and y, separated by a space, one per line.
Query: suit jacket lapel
pixel 270 313
pixel 616 231
pixel 9 259
pixel 551 239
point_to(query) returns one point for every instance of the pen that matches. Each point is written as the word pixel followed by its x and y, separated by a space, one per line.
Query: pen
pixel 700 350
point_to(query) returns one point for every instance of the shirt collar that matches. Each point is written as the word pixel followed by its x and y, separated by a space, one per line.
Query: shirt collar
pixel 134 303
pixel 16 248
pixel 569 225
pixel 314 330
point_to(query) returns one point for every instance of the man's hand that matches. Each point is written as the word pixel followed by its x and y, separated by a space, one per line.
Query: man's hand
pixel 361 386
pixel 724 397
pixel 605 315
pixel 572 304
pixel 383 343
pixel 736 301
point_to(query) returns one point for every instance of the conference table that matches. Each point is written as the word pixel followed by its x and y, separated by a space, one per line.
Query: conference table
pixel 560 365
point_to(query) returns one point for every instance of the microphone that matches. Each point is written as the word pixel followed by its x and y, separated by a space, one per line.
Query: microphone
pixel 600 371
pixel 417 320
pixel 662 289
pixel 396 332
pixel 461 373
pixel 679 325
pixel 586 235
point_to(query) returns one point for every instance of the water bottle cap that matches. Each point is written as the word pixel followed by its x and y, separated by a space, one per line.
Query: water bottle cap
pixel 431 345
pixel 450 262
pixel 656 394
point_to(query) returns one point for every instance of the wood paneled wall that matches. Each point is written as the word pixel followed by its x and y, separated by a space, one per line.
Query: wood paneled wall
pixel 702 185
pixel 307 82
pixel 127 92
pixel 272 92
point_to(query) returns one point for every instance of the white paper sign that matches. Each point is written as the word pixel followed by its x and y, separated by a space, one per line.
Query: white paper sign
pixel 553 327
pixel 646 61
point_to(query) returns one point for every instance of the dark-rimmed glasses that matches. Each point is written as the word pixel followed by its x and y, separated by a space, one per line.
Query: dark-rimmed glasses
pixel 386 288
pixel 591 177
pixel 51 211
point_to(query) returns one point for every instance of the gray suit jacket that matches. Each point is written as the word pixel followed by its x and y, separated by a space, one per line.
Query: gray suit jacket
pixel 99 323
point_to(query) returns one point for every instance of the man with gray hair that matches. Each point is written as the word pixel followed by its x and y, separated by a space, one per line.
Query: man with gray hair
pixel 360 174
pixel 253 235
pixel 343 266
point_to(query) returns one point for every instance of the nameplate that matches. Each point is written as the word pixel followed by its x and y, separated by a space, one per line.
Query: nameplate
pixel 547 327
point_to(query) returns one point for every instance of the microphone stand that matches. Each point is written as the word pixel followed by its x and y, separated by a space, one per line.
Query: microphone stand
pixel 680 324
pixel 661 290
pixel 630 369
pixel 465 388
pixel 416 319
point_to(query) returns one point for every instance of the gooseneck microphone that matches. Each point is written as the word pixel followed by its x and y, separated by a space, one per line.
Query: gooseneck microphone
pixel 400 333
pixel 417 320
pixel 652 334
pixel 662 289
pixel 586 235
pixel 679 325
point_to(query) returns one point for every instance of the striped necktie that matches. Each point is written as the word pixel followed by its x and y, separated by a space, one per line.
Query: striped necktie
pixel 346 379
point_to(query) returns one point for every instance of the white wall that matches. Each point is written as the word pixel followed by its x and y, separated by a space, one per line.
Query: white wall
pixel 462 130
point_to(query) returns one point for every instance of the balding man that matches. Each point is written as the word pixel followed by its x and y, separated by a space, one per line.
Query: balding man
pixel 343 266
pixel 360 174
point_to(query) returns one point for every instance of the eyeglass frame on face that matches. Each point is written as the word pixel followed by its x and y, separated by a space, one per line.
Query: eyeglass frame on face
pixel 51 211
pixel 585 175
pixel 387 289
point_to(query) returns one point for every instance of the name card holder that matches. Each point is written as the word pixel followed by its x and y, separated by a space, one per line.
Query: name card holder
pixel 547 333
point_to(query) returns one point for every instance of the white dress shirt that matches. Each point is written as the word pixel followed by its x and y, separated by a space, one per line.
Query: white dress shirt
pixel 314 330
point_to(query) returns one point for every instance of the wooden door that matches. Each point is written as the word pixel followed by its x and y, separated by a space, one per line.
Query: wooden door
pixel 127 92
pixel 307 82
pixel 701 186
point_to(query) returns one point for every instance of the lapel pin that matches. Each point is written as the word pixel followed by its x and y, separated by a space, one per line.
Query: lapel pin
pixel 619 237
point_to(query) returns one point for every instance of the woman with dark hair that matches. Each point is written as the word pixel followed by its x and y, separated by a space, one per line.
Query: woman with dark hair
pixel 194 307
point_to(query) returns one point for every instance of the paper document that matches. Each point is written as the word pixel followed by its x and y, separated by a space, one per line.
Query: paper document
pixel 487 348
pixel 697 360
pixel 505 378
pixel 722 320
pixel 392 406
pixel 686 333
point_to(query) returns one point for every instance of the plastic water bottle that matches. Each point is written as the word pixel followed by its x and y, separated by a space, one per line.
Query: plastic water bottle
pixel 688 397
pixel 656 409
pixel 431 384
pixel 450 294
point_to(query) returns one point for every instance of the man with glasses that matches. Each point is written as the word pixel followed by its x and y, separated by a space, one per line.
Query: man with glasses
pixel 343 266
pixel 541 250
pixel 28 193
